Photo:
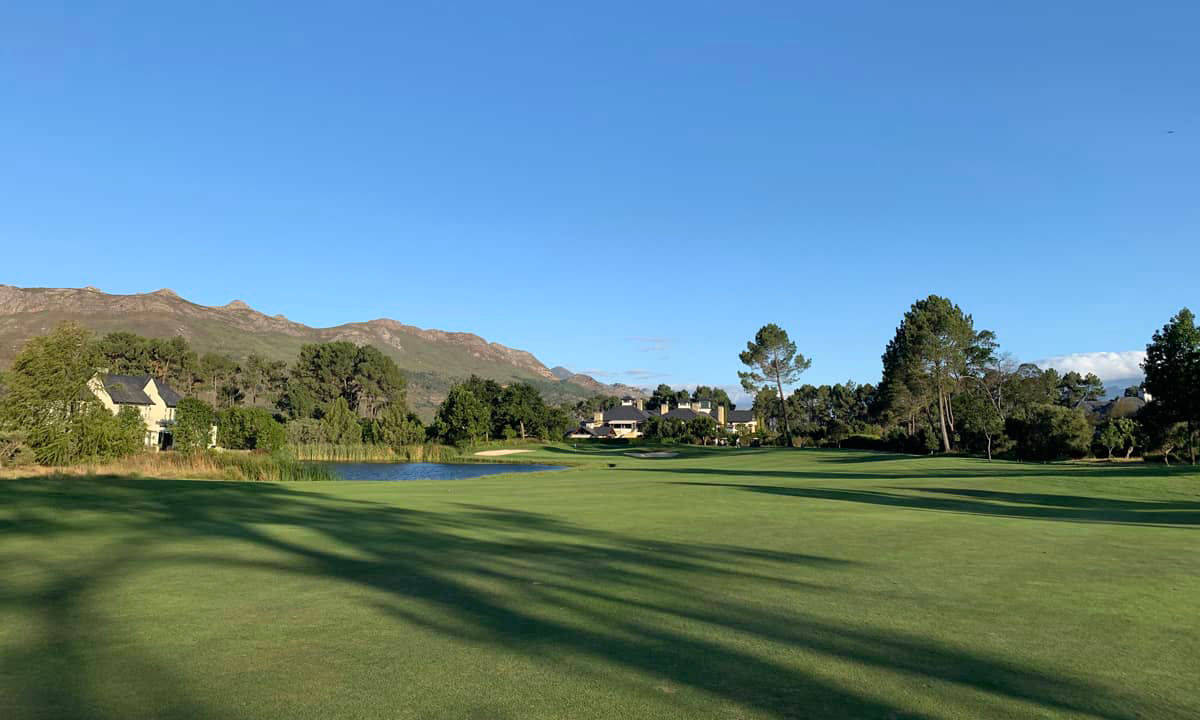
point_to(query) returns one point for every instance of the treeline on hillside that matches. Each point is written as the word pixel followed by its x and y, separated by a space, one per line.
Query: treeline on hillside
pixel 947 387
pixel 334 394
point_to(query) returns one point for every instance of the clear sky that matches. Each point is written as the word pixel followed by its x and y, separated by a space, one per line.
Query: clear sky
pixel 628 189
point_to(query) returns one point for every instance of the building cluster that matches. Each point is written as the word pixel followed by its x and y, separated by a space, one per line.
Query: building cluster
pixel 628 420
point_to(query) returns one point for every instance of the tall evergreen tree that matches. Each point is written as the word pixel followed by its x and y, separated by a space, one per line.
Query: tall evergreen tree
pixel 772 359
pixel 925 363
pixel 1172 369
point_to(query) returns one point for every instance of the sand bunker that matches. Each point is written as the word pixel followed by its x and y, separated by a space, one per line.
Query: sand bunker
pixel 658 454
pixel 494 453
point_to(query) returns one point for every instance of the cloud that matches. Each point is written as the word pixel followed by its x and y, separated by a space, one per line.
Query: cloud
pixel 634 375
pixel 652 344
pixel 640 374
pixel 1106 365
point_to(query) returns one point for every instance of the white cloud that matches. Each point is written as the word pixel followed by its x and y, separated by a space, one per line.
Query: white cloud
pixel 652 344
pixel 1106 365
pixel 639 374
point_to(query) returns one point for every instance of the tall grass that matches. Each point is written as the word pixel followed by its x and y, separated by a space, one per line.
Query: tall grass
pixel 236 466
pixel 326 452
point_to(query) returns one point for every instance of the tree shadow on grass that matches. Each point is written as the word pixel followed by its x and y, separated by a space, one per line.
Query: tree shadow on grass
pixel 975 470
pixel 682 452
pixel 1034 506
pixel 576 597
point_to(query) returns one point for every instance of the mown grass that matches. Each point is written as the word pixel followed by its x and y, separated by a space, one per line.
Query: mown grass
pixel 720 583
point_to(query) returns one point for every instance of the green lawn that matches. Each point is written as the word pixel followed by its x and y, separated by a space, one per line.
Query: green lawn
pixel 720 584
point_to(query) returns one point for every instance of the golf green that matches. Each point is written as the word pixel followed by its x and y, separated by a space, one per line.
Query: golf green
pixel 720 583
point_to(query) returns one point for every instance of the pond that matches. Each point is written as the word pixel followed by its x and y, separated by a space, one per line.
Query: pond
pixel 393 472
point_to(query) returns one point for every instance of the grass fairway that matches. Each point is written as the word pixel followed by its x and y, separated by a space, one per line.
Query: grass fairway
pixel 717 584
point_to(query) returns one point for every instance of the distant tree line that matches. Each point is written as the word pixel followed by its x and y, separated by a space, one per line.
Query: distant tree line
pixel 947 387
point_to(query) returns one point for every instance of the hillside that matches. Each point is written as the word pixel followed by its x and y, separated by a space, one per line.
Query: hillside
pixel 597 387
pixel 431 359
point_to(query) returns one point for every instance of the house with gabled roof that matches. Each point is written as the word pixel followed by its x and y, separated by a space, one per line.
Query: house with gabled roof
pixel 154 400
pixel 628 420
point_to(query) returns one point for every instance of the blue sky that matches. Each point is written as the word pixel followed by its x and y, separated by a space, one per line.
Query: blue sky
pixel 630 189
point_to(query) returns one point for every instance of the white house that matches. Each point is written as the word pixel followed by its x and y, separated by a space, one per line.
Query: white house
pixel 152 398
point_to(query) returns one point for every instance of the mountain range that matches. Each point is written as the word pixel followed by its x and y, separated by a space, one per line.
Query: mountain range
pixel 431 359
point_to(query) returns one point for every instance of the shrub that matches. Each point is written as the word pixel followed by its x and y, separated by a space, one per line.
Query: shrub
pixel 863 442
pixel 304 431
pixel 249 428
pixel 97 434
pixel 193 425
pixel 399 428
pixel 923 442
pixel 340 424
pixel 1051 432
pixel 14 449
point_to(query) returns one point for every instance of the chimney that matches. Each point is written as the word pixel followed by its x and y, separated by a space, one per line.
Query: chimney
pixel 598 417
pixel 721 416
pixel 641 403
pixel 664 409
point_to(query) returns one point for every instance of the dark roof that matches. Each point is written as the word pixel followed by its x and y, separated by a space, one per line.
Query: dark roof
pixel 740 416
pixel 131 390
pixel 127 389
pixel 624 413
pixel 167 393
pixel 682 414
pixel 602 431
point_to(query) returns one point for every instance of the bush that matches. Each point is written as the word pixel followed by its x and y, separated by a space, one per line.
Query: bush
pixel 863 442
pixel 249 428
pixel 97 434
pixel 1051 432
pixel 665 429
pixel 400 428
pixel 923 442
pixel 340 424
pixel 193 425
pixel 14 449
pixel 304 431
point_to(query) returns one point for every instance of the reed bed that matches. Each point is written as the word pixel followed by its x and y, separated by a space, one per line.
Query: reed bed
pixel 326 452
pixel 234 466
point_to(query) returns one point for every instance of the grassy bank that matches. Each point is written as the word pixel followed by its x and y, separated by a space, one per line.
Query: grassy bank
pixel 719 583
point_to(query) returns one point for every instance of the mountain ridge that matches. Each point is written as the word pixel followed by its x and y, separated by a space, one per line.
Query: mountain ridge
pixel 431 358
pixel 588 381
